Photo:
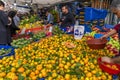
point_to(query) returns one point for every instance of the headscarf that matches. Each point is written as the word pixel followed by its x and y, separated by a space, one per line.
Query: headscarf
pixel 115 4
pixel 12 14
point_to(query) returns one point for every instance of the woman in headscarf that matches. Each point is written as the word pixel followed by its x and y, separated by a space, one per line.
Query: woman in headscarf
pixel 115 7
pixel 13 27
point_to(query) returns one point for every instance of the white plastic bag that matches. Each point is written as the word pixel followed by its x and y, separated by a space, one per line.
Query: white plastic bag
pixel 23 31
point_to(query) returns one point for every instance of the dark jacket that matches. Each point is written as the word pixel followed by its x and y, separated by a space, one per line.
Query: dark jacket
pixel 3 28
pixel 67 20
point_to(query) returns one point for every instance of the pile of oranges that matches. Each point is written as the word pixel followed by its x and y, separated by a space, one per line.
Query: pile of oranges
pixel 114 67
pixel 52 60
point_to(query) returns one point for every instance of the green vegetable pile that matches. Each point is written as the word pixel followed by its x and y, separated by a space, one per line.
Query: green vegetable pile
pixel 4 51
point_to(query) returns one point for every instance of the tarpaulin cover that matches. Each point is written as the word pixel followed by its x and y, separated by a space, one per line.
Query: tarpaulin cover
pixel 94 14
pixel 7 47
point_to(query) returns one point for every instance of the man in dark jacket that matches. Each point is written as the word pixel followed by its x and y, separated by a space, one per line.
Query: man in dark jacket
pixel 67 18
pixel 4 21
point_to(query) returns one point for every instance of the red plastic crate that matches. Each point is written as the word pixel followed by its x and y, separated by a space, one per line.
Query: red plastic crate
pixel 111 71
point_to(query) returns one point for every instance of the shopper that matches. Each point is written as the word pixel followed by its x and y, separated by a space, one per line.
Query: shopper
pixel 4 21
pixel 67 19
pixel 16 19
pixel 116 10
pixel 50 18
pixel 13 26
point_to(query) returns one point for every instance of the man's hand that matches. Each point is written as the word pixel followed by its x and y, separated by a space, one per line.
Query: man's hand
pixel 106 59
pixel 103 37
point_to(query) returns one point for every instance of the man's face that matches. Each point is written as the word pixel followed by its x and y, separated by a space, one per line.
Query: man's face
pixel 118 14
pixel 64 10
pixel 1 7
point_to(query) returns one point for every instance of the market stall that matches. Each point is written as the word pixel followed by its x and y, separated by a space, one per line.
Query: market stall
pixel 42 51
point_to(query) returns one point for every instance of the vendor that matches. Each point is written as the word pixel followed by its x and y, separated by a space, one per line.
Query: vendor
pixel 67 19
pixel 5 38
pixel 50 18
pixel 116 10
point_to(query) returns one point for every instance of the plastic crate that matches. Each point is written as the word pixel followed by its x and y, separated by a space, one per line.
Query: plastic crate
pixel 7 47
pixel 97 36
pixel 107 69
pixel 41 79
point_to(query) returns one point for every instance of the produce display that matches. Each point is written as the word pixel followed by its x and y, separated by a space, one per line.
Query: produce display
pixel 52 60
pixel 113 45
pixel 4 51
pixel 115 36
pixel 57 30
pixel 31 25
pixel 19 43
pixel 91 34
pixel 30 22
pixel 38 36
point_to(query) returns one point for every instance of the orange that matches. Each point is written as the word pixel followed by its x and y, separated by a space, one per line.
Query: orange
pixel 2 74
pixel 93 72
pixel 44 74
pixel 32 74
pixel 40 75
pixel 104 77
pixel 67 77
pixel 13 69
pixel 66 67
pixel 34 78
pixel 68 64
pixel 24 74
pixel 61 65
pixel 21 70
pixel 36 72
pixel 50 78
pixel 54 75
pixel 89 74
pixel 39 67
pixel 15 78
pixel 73 56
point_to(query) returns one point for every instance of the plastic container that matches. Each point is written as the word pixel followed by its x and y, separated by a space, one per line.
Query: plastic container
pixel 111 71
pixel 115 77
pixel 7 47
pixel 96 43
pixel 78 31
pixel 97 36
pixel 41 79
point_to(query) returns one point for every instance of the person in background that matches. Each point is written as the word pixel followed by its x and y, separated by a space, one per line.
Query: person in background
pixel 5 38
pixel 13 26
pixel 50 18
pixel 16 19
pixel 116 10
pixel 67 19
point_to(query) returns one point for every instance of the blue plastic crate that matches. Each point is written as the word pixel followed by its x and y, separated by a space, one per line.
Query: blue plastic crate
pixel 41 79
pixel 7 47
pixel 109 26
pixel 97 36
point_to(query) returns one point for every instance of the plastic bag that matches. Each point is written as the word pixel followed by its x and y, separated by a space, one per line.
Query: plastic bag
pixel 23 31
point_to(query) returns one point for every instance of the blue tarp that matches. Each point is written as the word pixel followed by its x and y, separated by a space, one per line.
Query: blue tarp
pixel 94 14
pixel 97 36
pixel 87 28
pixel 7 47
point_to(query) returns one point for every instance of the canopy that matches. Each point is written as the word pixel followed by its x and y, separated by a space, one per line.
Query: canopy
pixel 40 2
